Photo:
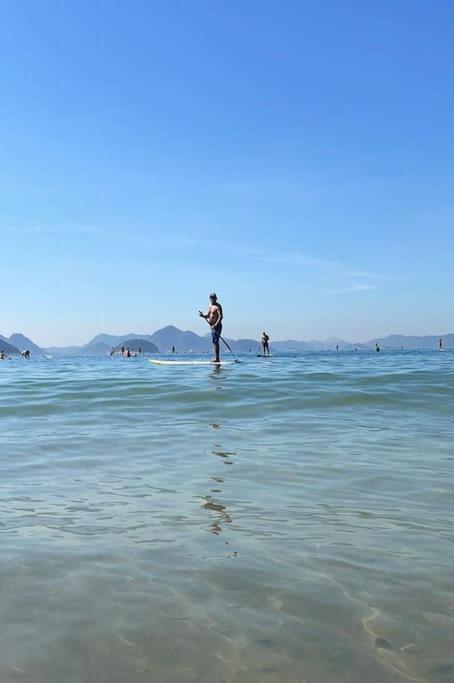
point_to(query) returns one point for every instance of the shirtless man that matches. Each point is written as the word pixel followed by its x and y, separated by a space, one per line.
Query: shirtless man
pixel 214 316
pixel 265 344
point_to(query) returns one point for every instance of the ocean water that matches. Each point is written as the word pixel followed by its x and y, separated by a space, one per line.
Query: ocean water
pixel 283 520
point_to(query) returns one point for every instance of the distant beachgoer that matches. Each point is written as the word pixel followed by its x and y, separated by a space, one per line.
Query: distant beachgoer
pixel 173 349
pixel 265 344
pixel 140 349
pixel 440 344
pixel 2 355
pixel 122 350
pixel 112 351
pixel 25 354
pixel 337 347
pixel 377 348
pixel 128 353
pixel 214 315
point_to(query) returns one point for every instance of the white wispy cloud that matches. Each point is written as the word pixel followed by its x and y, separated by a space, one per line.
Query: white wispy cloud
pixel 354 288
pixel 40 229
pixel 290 258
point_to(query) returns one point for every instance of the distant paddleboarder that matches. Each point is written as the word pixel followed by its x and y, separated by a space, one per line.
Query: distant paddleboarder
pixel 440 344
pixel 214 316
pixel 265 344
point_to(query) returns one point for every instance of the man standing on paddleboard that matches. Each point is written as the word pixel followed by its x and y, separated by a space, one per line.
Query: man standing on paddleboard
pixel 214 317
pixel 265 344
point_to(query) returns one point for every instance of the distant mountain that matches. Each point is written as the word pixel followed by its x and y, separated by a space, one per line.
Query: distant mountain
pixel 106 339
pixel 134 345
pixel 22 343
pixel 104 343
pixel 170 336
pixel 242 345
pixel 8 348
pixel 99 349
pixel 61 350
pixel 114 339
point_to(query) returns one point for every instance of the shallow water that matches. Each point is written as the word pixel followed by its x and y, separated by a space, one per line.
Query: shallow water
pixel 286 519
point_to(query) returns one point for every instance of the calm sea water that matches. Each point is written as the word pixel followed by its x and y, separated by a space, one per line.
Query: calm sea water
pixel 282 520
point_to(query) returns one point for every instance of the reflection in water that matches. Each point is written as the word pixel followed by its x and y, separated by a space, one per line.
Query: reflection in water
pixel 220 517
pixel 223 454
pixel 215 506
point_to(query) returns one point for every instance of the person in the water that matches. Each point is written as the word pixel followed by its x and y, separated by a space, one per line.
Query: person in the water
pixel 214 316
pixel 440 344
pixel 377 348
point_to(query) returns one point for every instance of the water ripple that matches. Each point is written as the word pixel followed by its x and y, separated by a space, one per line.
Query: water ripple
pixel 271 521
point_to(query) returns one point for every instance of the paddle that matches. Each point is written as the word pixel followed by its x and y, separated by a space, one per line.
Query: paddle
pixel 222 339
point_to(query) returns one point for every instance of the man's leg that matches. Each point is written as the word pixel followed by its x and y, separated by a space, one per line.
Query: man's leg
pixel 216 352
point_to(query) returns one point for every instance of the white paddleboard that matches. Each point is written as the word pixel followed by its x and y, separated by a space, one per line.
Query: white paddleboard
pixel 158 361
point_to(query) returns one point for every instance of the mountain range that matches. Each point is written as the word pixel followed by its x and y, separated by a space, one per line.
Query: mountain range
pixel 187 341
pixel 8 348
pixel 18 342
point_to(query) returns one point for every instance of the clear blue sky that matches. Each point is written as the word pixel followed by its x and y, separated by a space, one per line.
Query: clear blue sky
pixel 296 157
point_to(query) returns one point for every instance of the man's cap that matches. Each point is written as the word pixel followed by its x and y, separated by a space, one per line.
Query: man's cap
pixel 213 295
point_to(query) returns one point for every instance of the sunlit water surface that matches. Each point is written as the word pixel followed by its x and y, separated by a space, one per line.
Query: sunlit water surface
pixel 282 520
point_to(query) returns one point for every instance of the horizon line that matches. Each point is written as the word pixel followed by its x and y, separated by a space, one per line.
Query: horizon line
pixel 130 335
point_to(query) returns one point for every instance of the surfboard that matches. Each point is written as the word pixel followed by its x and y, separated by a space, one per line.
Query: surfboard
pixel 264 355
pixel 158 361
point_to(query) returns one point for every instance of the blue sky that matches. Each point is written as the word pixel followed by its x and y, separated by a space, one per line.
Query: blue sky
pixel 296 157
